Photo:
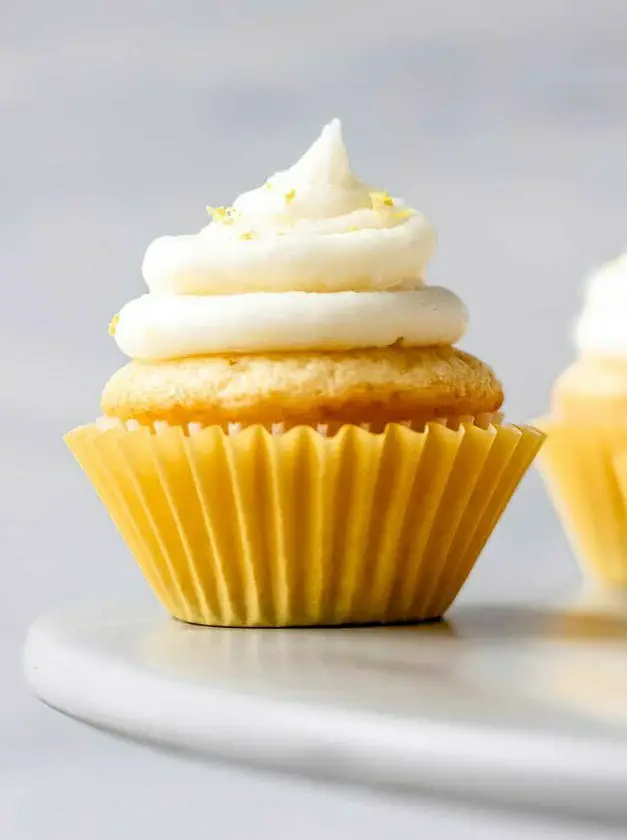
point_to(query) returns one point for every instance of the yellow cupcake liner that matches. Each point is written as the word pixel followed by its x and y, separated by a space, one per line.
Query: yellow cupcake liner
pixel 585 470
pixel 302 527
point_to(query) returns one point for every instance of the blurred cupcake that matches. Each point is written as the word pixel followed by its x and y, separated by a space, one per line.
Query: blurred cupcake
pixel 585 460
pixel 297 441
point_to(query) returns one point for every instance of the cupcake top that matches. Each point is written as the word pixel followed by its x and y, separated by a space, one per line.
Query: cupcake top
pixel 314 259
pixel 601 329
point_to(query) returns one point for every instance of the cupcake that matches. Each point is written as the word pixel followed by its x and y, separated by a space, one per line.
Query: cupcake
pixel 585 460
pixel 297 440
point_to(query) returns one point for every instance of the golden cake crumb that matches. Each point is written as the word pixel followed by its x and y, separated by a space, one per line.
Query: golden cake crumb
pixel 387 384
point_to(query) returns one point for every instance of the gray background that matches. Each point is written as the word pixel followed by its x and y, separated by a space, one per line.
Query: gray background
pixel 504 122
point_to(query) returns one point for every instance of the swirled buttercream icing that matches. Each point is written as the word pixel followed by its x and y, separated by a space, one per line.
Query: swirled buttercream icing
pixel 314 259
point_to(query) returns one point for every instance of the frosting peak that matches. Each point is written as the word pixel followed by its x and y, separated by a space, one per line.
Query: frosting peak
pixel 326 159
pixel 313 227
pixel 318 186
pixel 601 329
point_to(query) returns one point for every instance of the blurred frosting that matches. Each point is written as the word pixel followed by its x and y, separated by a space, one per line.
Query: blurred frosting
pixel 313 259
pixel 602 326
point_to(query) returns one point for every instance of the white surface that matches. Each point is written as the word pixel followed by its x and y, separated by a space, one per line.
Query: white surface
pixel 121 119
pixel 522 706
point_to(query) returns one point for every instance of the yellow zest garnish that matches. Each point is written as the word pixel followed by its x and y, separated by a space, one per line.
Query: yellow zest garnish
pixel 268 185
pixel 113 325
pixel 222 214
pixel 403 214
pixel 380 199
pixel 218 214
pixel 353 229
pixel 248 234
pixel 290 196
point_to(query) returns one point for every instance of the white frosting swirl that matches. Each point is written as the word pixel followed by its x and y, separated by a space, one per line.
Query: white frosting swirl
pixel 155 327
pixel 312 228
pixel 312 260
pixel 602 326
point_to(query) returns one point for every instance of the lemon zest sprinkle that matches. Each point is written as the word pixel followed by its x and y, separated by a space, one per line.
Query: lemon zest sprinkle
pixel 218 214
pixel 380 199
pixel 290 196
pixel 353 229
pixel 268 185
pixel 404 214
pixel 248 234
pixel 113 324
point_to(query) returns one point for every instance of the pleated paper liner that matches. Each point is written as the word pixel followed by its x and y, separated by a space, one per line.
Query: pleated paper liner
pixel 303 527
pixel 585 470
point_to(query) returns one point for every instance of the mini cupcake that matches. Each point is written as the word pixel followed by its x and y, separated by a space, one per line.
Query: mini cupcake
pixel 296 440
pixel 585 461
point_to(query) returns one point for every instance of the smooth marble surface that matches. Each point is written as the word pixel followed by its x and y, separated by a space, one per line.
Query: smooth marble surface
pixel 521 706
